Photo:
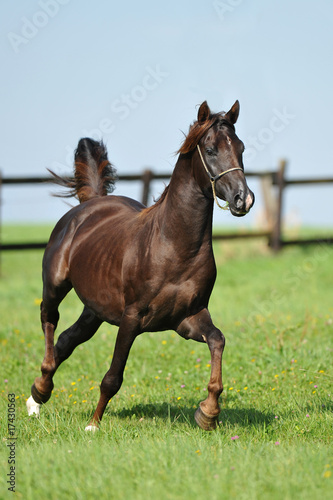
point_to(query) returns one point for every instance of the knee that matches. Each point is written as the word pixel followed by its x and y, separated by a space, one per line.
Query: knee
pixel 216 339
pixel 111 384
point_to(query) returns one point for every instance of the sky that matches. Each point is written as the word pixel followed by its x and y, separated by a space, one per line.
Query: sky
pixel 133 74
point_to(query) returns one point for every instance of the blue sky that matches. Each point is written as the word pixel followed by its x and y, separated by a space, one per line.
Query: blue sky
pixel 133 74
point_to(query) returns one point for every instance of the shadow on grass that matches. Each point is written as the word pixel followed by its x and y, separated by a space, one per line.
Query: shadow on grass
pixel 247 417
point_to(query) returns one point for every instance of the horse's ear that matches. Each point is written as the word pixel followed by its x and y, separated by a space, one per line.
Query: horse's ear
pixel 233 113
pixel 203 113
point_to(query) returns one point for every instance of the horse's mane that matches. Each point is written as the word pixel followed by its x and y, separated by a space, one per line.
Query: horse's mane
pixel 197 131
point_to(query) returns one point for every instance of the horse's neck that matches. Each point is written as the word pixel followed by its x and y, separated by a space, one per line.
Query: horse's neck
pixel 187 213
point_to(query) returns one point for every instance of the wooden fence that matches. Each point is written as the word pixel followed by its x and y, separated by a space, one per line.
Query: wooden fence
pixel 273 184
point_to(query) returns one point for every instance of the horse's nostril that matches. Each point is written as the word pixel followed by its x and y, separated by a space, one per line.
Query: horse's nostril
pixel 238 200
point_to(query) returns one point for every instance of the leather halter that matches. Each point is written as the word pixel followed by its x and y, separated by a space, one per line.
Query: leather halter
pixel 215 178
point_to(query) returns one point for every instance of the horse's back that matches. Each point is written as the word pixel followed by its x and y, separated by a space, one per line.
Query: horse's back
pixel 90 222
pixel 94 212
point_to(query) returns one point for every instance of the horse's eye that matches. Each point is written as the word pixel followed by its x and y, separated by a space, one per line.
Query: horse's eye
pixel 209 152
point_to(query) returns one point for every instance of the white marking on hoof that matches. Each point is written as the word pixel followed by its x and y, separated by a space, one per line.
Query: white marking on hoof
pixel 91 428
pixel 33 407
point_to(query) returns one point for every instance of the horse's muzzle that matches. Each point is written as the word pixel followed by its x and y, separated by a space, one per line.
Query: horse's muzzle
pixel 242 203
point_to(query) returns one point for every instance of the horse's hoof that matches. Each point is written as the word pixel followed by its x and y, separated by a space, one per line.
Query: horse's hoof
pixel 204 421
pixel 38 396
pixel 91 428
pixel 32 407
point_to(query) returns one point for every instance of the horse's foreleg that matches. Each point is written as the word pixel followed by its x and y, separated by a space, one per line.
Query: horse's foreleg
pixel 201 329
pixel 207 414
pixel 111 383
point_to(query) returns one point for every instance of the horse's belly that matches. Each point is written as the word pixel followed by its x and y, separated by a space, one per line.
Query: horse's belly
pixel 106 305
pixel 97 282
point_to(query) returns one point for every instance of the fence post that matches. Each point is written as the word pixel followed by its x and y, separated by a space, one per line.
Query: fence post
pixel 276 239
pixel 147 177
pixel 270 203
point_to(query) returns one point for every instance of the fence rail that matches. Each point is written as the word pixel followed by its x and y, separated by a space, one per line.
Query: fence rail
pixel 273 184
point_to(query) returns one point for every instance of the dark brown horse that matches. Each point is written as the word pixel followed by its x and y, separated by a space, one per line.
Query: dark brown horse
pixel 143 269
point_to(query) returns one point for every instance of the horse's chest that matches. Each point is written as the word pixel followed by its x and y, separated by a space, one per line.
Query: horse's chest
pixel 176 299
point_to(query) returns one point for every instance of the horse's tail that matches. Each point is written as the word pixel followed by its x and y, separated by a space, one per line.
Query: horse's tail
pixel 94 176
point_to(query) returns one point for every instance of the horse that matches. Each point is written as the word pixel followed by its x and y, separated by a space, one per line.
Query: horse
pixel 142 269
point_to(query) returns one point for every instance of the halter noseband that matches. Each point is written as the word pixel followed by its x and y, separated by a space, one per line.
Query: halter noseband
pixel 216 178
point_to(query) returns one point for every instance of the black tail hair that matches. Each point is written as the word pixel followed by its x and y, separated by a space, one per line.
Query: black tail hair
pixel 94 176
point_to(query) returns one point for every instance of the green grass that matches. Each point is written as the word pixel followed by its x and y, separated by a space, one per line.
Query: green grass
pixel 277 316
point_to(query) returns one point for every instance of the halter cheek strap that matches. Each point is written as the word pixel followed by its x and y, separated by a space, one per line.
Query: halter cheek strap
pixel 216 178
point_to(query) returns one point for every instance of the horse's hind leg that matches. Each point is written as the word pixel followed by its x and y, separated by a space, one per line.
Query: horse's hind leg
pixel 84 328
pixel 52 296
pixel 81 331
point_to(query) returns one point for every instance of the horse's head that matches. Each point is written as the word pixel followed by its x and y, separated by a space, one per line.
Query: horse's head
pixel 219 152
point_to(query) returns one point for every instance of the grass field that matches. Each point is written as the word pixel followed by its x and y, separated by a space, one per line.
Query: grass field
pixel 275 435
